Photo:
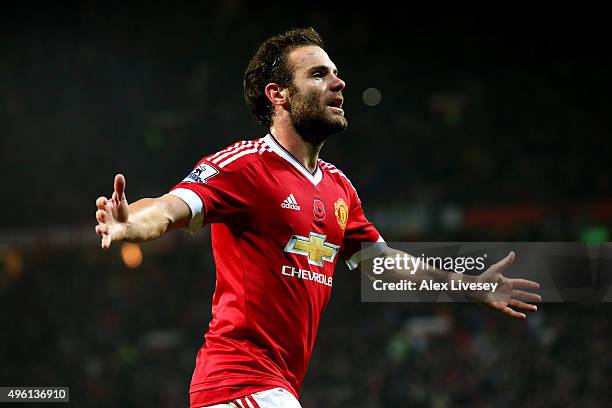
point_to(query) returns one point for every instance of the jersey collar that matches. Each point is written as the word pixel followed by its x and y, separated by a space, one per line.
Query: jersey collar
pixel 276 147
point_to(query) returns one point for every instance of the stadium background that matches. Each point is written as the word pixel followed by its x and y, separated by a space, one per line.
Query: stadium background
pixel 492 127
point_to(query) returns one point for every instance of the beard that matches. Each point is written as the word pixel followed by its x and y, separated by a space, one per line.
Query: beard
pixel 312 119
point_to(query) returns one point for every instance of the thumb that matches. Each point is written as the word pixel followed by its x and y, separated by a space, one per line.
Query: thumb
pixel 506 262
pixel 120 187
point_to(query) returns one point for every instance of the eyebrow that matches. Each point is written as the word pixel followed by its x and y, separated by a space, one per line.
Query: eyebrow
pixel 321 68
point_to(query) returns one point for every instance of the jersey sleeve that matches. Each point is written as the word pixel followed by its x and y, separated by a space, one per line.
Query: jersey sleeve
pixel 361 239
pixel 215 194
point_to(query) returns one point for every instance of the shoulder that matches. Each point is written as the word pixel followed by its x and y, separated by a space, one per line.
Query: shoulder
pixel 335 173
pixel 338 176
pixel 235 157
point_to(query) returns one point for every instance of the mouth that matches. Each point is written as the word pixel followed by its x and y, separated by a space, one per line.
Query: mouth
pixel 336 105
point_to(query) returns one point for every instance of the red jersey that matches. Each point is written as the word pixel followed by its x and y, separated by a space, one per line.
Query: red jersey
pixel 277 232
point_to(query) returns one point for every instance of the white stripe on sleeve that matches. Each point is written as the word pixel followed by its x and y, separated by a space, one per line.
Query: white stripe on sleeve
pixel 368 253
pixel 195 204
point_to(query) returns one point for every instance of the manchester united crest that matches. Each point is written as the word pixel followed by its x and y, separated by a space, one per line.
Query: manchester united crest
pixel 341 211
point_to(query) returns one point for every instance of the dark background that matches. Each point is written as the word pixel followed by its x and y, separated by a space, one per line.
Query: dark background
pixel 493 126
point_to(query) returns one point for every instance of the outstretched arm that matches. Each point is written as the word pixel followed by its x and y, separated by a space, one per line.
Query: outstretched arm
pixel 146 219
pixel 510 294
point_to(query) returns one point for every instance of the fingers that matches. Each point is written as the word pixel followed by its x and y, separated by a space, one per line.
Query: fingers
pixel 119 188
pixel 106 241
pixel 511 312
pixel 101 216
pixel 101 229
pixel 105 209
pixel 526 296
pixel 523 305
pixel 524 283
pixel 101 203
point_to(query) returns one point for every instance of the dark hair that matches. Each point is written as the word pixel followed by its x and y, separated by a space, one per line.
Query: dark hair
pixel 270 64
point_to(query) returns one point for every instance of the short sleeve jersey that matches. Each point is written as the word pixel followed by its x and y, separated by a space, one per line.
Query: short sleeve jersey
pixel 277 232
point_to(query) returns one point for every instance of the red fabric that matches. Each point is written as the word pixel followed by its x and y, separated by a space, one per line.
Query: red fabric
pixel 264 322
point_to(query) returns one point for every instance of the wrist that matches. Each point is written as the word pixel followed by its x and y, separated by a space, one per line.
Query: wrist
pixel 454 279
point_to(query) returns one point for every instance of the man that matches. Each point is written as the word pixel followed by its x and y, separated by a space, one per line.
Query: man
pixel 281 218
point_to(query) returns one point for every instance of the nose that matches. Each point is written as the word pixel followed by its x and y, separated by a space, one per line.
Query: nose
pixel 337 84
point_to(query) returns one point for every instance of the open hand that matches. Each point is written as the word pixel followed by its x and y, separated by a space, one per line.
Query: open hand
pixel 510 294
pixel 112 215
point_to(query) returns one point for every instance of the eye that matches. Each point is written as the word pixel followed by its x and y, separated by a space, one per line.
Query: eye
pixel 318 75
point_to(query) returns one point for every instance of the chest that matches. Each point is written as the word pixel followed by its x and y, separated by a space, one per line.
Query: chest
pixel 295 206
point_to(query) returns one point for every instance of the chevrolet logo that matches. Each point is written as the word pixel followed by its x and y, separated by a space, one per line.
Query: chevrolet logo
pixel 314 247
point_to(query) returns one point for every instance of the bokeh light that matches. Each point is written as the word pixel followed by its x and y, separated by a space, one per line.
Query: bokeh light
pixel 131 255
pixel 371 96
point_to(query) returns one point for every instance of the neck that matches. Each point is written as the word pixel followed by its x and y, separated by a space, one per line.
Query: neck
pixel 305 152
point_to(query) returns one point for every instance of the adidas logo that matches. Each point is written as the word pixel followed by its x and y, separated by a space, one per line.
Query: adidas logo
pixel 290 203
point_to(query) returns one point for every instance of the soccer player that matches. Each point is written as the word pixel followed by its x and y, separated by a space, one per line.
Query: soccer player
pixel 281 219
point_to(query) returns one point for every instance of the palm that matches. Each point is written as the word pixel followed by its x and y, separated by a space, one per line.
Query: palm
pixel 112 215
pixel 509 294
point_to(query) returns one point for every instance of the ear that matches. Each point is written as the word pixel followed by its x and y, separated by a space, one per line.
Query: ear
pixel 276 94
